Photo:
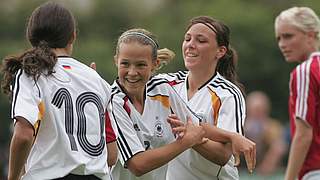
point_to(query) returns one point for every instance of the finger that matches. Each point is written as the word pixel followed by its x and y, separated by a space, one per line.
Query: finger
pixel 204 140
pixel 236 159
pixel 175 122
pixel 174 116
pixel 181 134
pixel 254 155
pixel 249 161
pixel 178 129
pixel 189 120
pixel 93 66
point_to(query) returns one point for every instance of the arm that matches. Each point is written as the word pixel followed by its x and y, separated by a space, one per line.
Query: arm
pixel 239 143
pixel 299 148
pixel 112 150
pixel 146 161
pixel 20 147
pixel 112 153
pixel 215 152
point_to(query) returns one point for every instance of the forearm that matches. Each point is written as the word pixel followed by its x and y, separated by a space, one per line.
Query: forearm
pixel 20 146
pixel 215 152
pixel 298 151
pixel 146 161
pixel 112 151
pixel 217 134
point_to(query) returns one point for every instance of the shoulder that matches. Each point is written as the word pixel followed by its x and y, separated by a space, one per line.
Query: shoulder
pixel 177 76
pixel 223 87
pixel 117 95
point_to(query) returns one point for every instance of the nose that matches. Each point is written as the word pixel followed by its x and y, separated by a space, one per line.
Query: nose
pixel 190 43
pixel 132 71
pixel 281 43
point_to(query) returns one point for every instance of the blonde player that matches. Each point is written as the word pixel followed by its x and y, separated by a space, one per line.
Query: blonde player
pixel 58 113
pixel 210 90
pixel 297 31
pixel 145 140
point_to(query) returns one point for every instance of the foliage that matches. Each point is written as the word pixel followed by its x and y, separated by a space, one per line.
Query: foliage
pixel 261 65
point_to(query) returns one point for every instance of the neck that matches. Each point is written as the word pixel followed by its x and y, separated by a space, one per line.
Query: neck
pixel 62 51
pixel 137 101
pixel 197 78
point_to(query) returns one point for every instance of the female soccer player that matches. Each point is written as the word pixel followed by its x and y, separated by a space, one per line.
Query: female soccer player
pixel 297 31
pixel 58 104
pixel 211 90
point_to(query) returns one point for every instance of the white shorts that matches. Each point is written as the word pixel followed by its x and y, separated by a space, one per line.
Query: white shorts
pixel 312 175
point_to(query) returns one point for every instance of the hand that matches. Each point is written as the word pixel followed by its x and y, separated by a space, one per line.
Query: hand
pixel 240 144
pixel 177 126
pixel 93 66
pixel 193 134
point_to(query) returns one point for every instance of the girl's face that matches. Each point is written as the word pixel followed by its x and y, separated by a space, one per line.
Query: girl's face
pixel 200 48
pixel 295 45
pixel 135 66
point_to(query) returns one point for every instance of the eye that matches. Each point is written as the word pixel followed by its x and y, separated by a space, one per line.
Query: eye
pixel 287 36
pixel 124 64
pixel 202 40
pixel 187 38
pixel 141 65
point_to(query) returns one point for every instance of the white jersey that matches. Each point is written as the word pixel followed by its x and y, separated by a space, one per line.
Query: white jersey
pixel 220 103
pixel 139 132
pixel 67 110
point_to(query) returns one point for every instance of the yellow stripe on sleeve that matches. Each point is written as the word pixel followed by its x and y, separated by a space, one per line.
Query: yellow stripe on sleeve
pixel 216 104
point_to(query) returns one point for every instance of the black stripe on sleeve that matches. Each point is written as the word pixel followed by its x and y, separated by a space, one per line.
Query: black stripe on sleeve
pixel 123 145
pixel 237 98
pixel 15 92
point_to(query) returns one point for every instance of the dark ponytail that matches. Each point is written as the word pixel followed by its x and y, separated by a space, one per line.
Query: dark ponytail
pixel 227 67
pixel 34 62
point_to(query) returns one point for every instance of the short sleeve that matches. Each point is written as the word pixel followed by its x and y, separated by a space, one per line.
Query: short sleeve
pixel 25 98
pixel 128 140
pixel 232 114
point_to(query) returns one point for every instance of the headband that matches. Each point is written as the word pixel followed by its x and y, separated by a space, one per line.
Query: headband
pixel 210 26
pixel 155 44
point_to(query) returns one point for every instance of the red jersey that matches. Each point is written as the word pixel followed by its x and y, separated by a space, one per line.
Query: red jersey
pixel 304 103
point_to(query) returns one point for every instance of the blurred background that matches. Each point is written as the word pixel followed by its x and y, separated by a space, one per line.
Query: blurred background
pixel 261 66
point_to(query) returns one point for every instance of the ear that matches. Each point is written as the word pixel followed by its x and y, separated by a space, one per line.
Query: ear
pixel 156 65
pixel 312 36
pixel 221 52
pixel 73 37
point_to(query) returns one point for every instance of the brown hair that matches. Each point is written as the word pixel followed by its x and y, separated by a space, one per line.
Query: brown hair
pixel 49 26
pixel 227 64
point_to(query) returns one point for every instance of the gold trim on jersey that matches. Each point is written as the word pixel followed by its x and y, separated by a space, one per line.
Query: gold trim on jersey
pixel 41 108
pixel 216 104
pixel 163 99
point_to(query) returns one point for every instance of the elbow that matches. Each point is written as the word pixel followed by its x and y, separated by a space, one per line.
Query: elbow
pixel 25 138
pixel 224 159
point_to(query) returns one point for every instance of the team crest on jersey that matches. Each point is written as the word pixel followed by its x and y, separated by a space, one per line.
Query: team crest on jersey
pixel 136 127
pixel 158 128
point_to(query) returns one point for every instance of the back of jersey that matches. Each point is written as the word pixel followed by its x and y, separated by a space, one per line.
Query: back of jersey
pixel 67 110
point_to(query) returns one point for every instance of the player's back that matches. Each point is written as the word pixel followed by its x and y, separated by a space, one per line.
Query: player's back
pixel 70 121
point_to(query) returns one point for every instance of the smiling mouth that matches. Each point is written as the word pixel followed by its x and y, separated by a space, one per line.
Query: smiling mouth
pixel 132 81
pixel 191 55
